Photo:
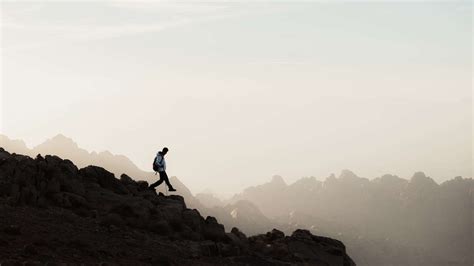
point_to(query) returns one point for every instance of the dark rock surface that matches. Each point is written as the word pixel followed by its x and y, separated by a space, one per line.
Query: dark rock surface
pixel 51 211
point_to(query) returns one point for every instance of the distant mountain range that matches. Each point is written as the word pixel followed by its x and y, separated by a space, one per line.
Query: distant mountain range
pixel 429 223
pixel 384 221
pixel 66 148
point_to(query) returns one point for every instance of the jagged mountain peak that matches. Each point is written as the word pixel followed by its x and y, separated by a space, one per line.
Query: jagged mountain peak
pixel 419 175
pixel 244 206
pixel 278 180
pixel 61 139
pixel 347 174
pixel 16 145
pixel 389 179
pixel 306 183
pixel 419 178
pixel 61 136
pixel 106 153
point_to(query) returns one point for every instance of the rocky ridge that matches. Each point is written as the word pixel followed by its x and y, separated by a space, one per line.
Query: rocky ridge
pixel 51 211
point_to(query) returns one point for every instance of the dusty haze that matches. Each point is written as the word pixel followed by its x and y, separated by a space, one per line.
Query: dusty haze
pixel 242 91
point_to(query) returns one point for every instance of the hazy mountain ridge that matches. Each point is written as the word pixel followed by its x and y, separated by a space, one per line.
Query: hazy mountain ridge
pixel 66 148
pixel 209 200
pixel 53 212
pixel 431 221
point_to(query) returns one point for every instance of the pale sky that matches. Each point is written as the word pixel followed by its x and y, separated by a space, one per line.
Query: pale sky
pixel 241 91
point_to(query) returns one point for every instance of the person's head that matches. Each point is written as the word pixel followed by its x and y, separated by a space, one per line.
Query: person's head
pixel 164 151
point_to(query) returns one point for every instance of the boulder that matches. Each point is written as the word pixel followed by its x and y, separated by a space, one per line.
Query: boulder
pixel 302 234
pixel 213 230
pixel 275 234
pixel 193 219
pixel 125 179
pixel 104 178
pixel 142 185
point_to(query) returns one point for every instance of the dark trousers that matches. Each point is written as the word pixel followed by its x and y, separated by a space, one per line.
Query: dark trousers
pixel 163 177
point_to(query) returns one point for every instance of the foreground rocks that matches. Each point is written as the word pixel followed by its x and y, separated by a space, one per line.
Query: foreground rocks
pixel 51 211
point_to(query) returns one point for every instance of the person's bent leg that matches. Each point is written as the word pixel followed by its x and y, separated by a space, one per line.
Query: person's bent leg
pixel 157 183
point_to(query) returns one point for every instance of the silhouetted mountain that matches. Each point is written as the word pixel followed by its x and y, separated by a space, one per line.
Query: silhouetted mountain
pixel 54 212
pixel 264 196
pixel 67 148
pixel 17 146
pixel 411 222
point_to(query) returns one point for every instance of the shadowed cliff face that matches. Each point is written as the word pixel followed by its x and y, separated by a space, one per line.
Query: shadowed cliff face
pixel 52 211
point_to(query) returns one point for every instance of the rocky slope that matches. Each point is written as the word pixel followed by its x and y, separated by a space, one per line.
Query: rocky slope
pixel 67 148
pixel 51 211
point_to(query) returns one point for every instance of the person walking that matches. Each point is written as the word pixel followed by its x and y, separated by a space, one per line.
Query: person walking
pixel 159 165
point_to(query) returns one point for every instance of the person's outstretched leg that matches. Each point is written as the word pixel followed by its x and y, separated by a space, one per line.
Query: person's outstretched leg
pixel 157 183
pixel 164 176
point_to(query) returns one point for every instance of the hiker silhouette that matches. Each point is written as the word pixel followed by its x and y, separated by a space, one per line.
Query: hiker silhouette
pixel 159 165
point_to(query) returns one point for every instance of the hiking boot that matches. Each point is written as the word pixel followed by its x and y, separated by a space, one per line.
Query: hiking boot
pixel 171 189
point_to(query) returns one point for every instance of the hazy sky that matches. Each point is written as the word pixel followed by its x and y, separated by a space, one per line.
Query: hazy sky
pixel 241 91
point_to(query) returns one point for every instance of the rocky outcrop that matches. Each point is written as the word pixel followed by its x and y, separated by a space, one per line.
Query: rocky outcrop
pixel 66 148
pixel 301 246
pixel 45 190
